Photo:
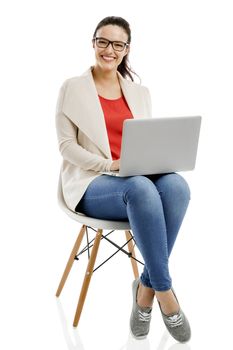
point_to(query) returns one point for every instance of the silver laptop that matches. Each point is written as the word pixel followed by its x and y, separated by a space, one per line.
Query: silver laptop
pixel 158 145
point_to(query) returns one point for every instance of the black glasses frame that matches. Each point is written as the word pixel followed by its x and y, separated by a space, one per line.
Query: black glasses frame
pixel 112 43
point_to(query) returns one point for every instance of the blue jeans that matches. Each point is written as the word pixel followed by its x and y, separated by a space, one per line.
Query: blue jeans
pixel 155 206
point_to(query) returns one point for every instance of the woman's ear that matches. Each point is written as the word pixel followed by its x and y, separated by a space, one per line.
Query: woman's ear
pixel 93 43
pixel 127 50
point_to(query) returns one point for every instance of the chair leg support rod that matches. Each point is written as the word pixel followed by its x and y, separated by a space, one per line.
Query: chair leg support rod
pixel 131 250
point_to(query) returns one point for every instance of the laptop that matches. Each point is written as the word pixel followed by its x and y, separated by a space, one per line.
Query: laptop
pixel 158 145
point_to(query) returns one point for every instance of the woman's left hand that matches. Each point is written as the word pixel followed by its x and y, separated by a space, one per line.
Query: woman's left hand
pixel 115 165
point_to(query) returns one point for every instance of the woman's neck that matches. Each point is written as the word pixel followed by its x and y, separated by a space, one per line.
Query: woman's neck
pixel 104 77
pixel 107 83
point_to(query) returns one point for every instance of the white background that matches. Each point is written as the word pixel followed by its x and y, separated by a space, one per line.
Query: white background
pixel 182 50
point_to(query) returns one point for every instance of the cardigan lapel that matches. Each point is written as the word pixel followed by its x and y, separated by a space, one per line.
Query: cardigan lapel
pixel 130 92
pixel 81 104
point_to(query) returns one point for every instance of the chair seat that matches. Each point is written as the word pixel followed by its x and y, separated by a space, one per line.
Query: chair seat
pixel 97 223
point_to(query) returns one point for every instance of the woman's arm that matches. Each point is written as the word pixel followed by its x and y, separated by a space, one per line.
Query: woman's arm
pixel 68 146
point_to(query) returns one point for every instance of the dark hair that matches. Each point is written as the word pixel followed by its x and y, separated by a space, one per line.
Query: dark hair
pixel 124 68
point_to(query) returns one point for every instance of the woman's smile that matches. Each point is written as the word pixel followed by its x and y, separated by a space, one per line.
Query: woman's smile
pixel 108 58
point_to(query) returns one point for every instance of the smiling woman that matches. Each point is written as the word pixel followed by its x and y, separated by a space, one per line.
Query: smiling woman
pixel 116 29
pixel 91 110
pixel 111 42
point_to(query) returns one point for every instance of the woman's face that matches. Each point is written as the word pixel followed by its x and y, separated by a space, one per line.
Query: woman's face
pixel 107 58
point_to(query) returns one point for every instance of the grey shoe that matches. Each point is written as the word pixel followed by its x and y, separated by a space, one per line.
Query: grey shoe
pixel 140 316
pixel 177 324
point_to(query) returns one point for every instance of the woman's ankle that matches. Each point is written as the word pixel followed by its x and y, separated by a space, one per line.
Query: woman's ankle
pixel 168 302
pixel 145 296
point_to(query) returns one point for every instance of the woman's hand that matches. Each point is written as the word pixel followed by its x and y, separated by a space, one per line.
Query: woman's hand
pixel 115 165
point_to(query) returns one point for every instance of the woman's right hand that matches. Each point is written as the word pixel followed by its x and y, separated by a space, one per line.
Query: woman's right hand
pixel 115 165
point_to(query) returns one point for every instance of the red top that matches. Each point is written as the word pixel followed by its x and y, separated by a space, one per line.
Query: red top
pixel 115 112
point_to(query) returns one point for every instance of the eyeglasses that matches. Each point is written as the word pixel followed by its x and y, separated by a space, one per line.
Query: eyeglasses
pixel 116 45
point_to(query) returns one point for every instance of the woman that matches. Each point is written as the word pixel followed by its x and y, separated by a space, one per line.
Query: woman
pixel 90 113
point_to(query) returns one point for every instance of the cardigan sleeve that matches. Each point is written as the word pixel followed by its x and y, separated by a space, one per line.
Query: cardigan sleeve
pixel 68 145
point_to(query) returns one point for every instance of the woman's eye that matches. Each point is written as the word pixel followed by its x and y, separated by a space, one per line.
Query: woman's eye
pixel 119 45
pixel 103 42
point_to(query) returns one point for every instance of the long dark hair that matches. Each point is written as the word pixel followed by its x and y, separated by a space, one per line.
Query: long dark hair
pixel 124 68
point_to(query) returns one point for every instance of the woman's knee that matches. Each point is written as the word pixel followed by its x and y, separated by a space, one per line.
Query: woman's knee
pixel 139 187
pixel 174 185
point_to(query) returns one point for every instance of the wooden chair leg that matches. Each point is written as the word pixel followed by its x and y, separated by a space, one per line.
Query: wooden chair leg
pixel 71 260
pixel 131 250
pixel 87 278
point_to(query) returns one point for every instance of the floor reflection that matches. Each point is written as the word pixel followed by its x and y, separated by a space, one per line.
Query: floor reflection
pixel 133 344
pixel 72 339
pixel 74 342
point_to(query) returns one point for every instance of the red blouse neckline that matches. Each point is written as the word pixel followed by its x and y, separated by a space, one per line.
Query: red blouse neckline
pixel 111 100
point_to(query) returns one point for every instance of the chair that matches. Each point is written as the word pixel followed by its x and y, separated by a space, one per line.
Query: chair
pixel 89 222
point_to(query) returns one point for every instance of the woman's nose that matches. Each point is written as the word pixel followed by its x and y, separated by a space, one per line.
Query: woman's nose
pixel 109 49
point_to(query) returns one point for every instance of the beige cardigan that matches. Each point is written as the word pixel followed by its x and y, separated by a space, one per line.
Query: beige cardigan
pixel 82 134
